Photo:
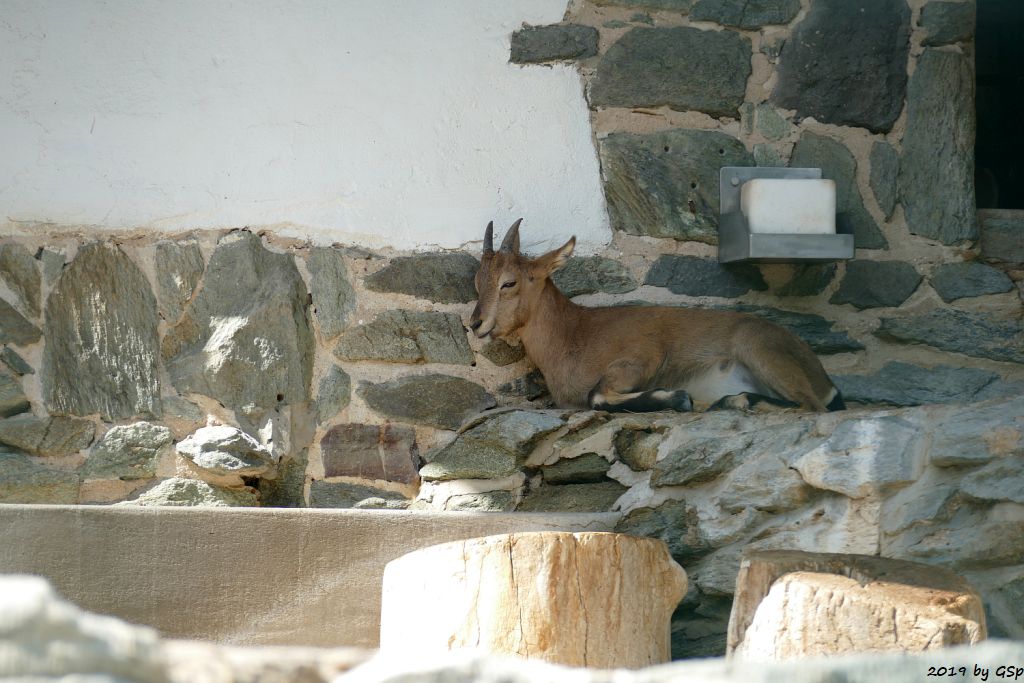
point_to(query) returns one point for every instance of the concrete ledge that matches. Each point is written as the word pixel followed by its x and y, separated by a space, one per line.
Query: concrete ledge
pixel 240 575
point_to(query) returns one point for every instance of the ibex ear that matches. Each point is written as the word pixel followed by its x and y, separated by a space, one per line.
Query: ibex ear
pixel 553 260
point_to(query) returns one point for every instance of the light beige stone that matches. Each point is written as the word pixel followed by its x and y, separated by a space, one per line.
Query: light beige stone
pixel 582 599
pixel 791 605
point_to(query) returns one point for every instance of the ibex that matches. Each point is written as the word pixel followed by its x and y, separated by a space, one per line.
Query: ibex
pixel 640 358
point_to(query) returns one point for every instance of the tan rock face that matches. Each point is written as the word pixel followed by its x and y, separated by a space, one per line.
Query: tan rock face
pixel 791 605
pixel 585 599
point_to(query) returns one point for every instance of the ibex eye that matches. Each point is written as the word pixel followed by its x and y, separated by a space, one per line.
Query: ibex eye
pixel 509 284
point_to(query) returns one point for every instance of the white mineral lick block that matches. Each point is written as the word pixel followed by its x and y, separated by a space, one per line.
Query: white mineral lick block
pixel 789 205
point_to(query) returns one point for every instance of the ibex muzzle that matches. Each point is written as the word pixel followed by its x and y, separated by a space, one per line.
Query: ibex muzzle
pixel 640 358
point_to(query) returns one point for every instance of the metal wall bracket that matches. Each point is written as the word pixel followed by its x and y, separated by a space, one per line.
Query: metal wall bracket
pixel 736 243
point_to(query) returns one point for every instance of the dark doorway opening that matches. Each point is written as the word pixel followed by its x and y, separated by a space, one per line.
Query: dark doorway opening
pixel 999 149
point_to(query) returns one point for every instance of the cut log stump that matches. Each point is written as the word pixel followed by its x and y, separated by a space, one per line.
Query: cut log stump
pixel 792 604
pixel 600 600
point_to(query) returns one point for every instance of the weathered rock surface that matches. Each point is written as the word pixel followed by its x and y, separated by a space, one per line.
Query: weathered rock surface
pixel 973 334
pixel 681 6
pixel 177 407
pixel 444 277
pixel 674 522
pixel 53 264
pixel 494 448
pixel 180 492
pixel 1002 239
pixel 54 436
pixel 434 400
pixel 245 339
pixel 874 284
pixel 24 480
pixel 590 468
pixel 680 67
pixel 402 336
pixel 20 271
pixel 501 354
pixel 15 328
pixel 812 328
pixel 13 400
pixel 127 452
pixel 334 394
pixel 324 494
pixel 947 22
pixel 179 267
pixel 937 184
pixel 696 276
pixel 227 450
pixel 885 168
pixel 837 163
pixel 666 184
pixel 746 14
pixel 101 334
pixel 905 384
pixel 558 42
pixel 848 79
pixel 333 296
pixel 791 605
pixel 46 638
pixel 598 497
pixel 954 281
pixel 589 274
pixel 809 280
pixel 385 452
pixel 473 595
pixel 15 362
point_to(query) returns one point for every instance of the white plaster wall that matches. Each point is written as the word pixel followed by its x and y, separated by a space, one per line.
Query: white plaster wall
pixel 376 122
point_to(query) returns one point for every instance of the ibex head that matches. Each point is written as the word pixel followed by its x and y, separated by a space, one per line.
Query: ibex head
pixel 508 284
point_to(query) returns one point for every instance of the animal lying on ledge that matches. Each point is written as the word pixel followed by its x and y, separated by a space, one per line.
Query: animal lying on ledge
pixel 639 358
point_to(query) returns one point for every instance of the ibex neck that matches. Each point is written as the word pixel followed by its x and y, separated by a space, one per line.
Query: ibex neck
pixel 551 326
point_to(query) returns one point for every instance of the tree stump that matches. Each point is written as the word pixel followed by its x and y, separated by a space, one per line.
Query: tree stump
pixel 792 604
pixel 600 600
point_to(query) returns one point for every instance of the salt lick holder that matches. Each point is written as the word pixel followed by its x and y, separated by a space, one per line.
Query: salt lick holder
pixel 599 600
pixel 779 215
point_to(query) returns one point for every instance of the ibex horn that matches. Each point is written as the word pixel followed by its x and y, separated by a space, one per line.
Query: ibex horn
pixel 511 242
pixel 489 238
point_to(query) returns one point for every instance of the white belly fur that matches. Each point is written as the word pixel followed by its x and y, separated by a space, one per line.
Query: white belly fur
pixel 720 381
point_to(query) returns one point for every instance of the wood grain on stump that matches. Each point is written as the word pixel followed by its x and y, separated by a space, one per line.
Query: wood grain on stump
pixel 601 600
pixel 792 604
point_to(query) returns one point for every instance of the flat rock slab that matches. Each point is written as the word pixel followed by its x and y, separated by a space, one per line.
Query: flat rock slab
pixel 583 599
pixel 793 604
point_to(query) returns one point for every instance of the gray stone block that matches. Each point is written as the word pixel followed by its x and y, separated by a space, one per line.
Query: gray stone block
pixel 501 353
pixel 325 494
pixel 558 42
pixel 848 78
pixel 444 277
pixel 127 452
pixel 24 480
pixel 696 276
pixel 50 436
pixel 573 498
pixel 954 281
pixel 334 394
pixel 809 280
pixel 179 267
pixel 1002 239
pixel 837 163
pixel 589 274
pixel 433 400
pixel 885 168
pixel 586 469
pixel 20 271
pixel 973 334
pixel 15 362
pixel 13 400
pixel 224 450
pixel 683 68
pixel 180 492
pixel 746 14
pixel 245 339
pixel 401 336
pixel 876 284
pixel 15 328
pixel 675 523
pixel 333 296
pixel 681 6
pixel 947 22
pixel 905 384
pixel 936 183
pixel 666 184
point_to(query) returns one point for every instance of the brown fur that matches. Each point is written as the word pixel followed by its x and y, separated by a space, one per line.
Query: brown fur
pixel 620 350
